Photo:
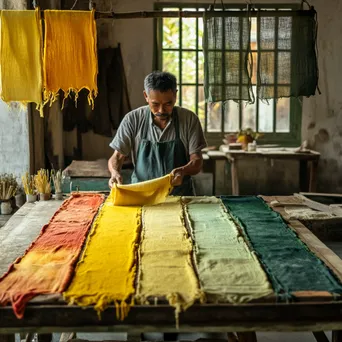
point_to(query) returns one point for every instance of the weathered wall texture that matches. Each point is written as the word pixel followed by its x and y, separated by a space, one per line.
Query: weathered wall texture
pixel 322 114
pixel 322 119
pixel 14 133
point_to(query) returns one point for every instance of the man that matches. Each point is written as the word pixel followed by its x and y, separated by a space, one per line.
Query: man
pixel 161 137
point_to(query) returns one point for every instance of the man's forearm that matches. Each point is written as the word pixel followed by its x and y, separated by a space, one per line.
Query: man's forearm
pixel 194 166
pixel 115 162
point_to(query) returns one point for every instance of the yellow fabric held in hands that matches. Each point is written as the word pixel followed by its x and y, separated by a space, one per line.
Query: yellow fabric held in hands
pixel 70 58
pixel 165 269
pixel 21 63
pixel 144 193
pixel 107 270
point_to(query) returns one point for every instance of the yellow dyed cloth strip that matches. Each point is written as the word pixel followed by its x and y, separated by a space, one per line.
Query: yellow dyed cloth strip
pixel 166 269
pixel 106 272
pixel 144 193
pixel 228 271
pixel 70 57
pixel 21 64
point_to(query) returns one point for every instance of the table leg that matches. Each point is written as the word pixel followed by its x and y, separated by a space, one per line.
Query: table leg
pixel 235 177
pixel 7 337
pixel 313 176
pixel 303 175
pixel 247 336
pixel 214 176
pixel 232 337
pixel 336 336
pixel 44 337
pixel 320 336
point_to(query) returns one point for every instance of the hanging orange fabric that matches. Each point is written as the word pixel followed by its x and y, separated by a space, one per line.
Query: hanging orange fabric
pixel 48 264
pixel 70 58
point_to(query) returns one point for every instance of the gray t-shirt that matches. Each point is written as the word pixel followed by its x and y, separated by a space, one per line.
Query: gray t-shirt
pixel 128 135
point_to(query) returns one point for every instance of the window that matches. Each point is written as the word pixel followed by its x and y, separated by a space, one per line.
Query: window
pixel 179 51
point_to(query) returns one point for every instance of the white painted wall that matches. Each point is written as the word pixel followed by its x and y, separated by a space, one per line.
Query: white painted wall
pixel 14 140
pixel 322 119
pixel 14 133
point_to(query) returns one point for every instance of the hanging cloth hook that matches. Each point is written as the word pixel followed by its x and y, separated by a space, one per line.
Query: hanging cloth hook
pixel 305 2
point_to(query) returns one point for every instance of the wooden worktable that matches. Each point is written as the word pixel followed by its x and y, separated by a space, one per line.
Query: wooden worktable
pixel 308 163
pixel 313 311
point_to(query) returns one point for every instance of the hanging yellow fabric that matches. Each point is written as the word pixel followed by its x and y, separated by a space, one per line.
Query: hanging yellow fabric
pixel 144 193
pixel 106 272
pixel 21 64
pixel 166 269
pixel 70 58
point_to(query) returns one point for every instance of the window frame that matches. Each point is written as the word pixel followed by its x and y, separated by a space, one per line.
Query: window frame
pixel 287 139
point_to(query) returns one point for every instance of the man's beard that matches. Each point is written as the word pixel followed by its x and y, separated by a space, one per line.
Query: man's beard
pixel 162 116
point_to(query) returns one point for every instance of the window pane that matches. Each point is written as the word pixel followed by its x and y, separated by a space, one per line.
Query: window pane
pixel 215 66
pixel 178 97
pixel 283 116
pixel 232 33
pixel 254 31
pixel 267 67
pixel 249 114
pixel 231 116
pixel 255 67
pixel 171 33
pixel 171 62
pixel 189 97
pixel 232 63
pixel 284 67
pixel 200 67
pixel 283 91
pixel 189 35
pixel 214 117
pixel 266 116
pixel 267 33
pixel 201 106
pixel 188 67
pixel 200 33
pixel 284 33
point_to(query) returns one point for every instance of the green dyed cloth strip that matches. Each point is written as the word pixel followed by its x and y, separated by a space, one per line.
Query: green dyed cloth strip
pixel 291 266
pixel 228 271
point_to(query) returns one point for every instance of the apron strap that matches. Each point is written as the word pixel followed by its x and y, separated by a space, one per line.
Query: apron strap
pixel 147 122
pixel 176 123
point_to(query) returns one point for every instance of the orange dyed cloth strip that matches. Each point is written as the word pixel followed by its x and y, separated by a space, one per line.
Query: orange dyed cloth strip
pixel 48 264
pixel 70 55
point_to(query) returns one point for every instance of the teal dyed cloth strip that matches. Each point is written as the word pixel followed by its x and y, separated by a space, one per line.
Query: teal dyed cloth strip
pixel 291 266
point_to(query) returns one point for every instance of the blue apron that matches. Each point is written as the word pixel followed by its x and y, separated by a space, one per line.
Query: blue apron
pixel 157 159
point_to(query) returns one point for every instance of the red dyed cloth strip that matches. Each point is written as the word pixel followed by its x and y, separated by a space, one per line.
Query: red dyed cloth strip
pixel 48 264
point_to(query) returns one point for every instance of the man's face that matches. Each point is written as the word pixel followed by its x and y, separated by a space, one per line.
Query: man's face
pixel 161 103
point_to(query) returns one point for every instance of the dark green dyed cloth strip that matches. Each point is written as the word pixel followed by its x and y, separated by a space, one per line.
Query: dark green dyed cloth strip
pixel 290 265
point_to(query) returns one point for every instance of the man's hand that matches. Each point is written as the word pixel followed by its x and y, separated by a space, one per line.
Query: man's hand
pixel 115 178
pixel 177 176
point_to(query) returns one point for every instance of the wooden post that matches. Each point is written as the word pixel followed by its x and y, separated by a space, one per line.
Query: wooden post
pixel 247 336
pixel 235 176
pixel 313 175
pixel 44 337
pixel 320 336
pixel 336 336
pixel 232 337
pixel 7 338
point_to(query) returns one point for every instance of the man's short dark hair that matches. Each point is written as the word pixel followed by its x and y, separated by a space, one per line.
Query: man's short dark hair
pixel 161 81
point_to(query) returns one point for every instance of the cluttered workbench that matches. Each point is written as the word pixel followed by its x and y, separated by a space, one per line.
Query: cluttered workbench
pixel 197 264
